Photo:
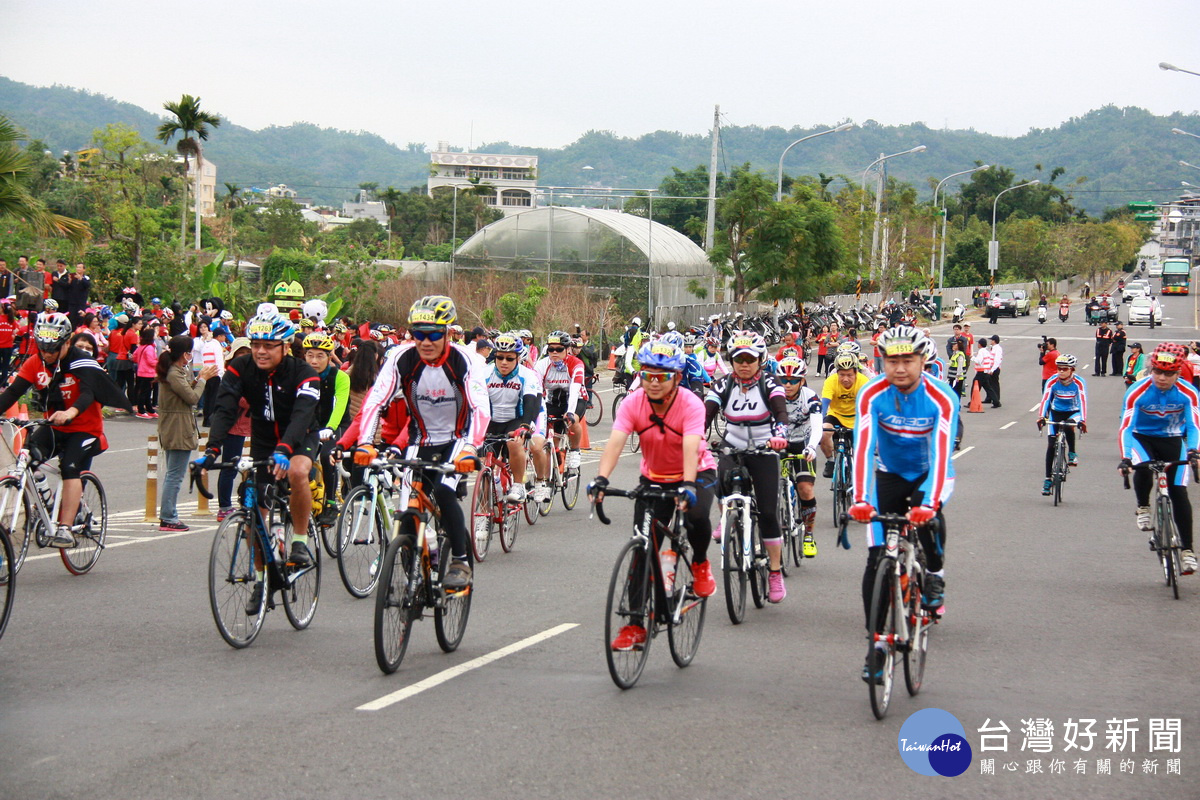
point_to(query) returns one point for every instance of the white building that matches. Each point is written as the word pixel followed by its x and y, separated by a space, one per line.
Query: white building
pixel 207 188
pixel 507 182
pixel 1179 226
pixel 366 209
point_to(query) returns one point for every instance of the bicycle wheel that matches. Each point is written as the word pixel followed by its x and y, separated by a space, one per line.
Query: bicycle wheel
pixel 483 514
pixel 570 489
pixel 450 616
pixel 543 507
pixel 303 591
pixel 731 559
pixel 1058 470
pixel 919 623
pixel 93 517
pixel 684 636
pixel 839 493
pixel 531 508
pixel 1168 542
pixel 362 538
pixel 616 403
pixel 394 607
pixel 630 602
pixel 231 580
pixel 18 518
pixel 8 576
pixel 331 535
pixel 595 409
pixel 883 620
pixel 787 518
pixel 758 567
pixel 719 426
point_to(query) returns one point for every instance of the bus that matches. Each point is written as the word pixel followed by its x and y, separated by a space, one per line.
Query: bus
pixel 1176 275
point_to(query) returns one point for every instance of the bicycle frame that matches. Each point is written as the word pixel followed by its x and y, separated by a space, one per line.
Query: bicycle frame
pixel 24 474
pixel 901 548
pixel 270 546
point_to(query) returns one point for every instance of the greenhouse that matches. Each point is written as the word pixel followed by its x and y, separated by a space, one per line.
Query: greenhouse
pixel 642 263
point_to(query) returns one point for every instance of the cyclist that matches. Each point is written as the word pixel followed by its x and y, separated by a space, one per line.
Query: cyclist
pixel 838 402
pixel 561 377
pixel 674 456
pixel 695 377
pixel 444 386
pixel 1065 400
pixel 933 365
pixel 756 413
pixel 804 439
pixel 75 388
pixel 902 446
pixel 711 359
pixel 283 393
pixel 1160 421
pixel 331 413
pixel 516 400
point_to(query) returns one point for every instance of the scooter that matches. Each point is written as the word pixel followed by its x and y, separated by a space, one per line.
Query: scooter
pixel 959 312
pixel 1063 310
pixel 1041 314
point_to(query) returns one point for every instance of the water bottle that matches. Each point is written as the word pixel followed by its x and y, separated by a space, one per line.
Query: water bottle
pixel 433 548
pixel 277 534
pixel 42 483
pixel 667 559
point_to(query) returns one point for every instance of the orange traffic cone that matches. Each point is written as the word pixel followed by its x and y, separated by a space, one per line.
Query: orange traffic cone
pixel 585 441
pixel 976 406
pixel 612 360
pixel 23 413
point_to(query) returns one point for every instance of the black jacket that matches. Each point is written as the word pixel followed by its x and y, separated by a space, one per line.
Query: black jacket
pixel 283 402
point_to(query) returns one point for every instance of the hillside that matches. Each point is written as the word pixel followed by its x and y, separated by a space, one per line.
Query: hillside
pixel 1124 154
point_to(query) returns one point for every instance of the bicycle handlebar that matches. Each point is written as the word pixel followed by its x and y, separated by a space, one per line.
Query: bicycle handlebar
pixel 1161 466
pixel 758 450
pixel 640 492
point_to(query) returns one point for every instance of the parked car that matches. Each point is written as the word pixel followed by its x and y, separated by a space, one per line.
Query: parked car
pixel 1141 309
pixel 1136 289
pixel 1013 302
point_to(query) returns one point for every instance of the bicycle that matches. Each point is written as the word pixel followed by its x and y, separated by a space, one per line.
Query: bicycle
pixel 634 442
pixel 644 592
pixel 490 507
pixel 743 554
pixel 561 480
pixel 412 573
pixel 363 527
pixel 842 484
pixel 29 506
pixel 793 522
pixel 594 411
pixel 245 543
pixel 1060 465
pixel 898 618
pixel 8 579
pixel 1164 535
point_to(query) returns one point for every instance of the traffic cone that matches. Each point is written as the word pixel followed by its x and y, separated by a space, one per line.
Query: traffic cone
pixel 585 441
pixel 976 406
pixel 23 413
pixel 612 360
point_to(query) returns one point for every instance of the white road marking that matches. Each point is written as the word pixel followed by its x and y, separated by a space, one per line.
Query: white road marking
pixel 1009 425
pixel 111 545
pixel 962 452
pixel 473 664
pixel 1035 408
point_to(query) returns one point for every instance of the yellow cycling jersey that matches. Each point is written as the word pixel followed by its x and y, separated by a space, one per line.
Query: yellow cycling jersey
pixel 841 400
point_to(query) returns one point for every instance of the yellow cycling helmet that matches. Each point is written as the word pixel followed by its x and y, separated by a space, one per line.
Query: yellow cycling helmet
pixel 318 341
pixel 432 311
pixel 846 361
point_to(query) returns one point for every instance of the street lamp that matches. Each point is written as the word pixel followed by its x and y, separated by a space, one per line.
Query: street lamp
pixel 1182 132
pixel 1172 68
pixel 845 126
pixel 1186 164
pixel 993 245
pixel 933 250
pixel 862 191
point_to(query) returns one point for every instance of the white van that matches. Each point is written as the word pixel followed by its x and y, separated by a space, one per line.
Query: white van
pixel 1154 268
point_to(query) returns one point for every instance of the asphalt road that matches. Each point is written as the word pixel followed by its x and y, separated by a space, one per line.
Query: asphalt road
pixel 117 684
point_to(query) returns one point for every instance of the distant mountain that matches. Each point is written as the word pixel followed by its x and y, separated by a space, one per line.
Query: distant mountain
pixel 1123 153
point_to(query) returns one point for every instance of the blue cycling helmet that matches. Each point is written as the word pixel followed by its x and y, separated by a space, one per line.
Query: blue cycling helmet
pixel 270 327
pixel 673 337
pixel 662 355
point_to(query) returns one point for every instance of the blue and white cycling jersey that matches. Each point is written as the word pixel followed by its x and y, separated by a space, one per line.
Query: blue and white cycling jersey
pixel 1070 397
pixel 1150 412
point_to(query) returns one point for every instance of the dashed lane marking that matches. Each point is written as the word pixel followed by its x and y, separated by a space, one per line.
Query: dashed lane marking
pixel 461 669
pixel 962 452
pixel 1009 425
pixel 1035 408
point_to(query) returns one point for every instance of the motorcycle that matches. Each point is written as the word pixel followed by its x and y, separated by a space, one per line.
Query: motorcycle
pixel 1041 314
pixel 959 312
pixel 1063 310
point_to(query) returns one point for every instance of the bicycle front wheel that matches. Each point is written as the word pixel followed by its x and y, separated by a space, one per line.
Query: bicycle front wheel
pixel 8 578
pixel 919 623
pixel 731 565
pixel 483 514
pixel 18 518
pixel 839 493
pixel 394 606
pixel 544 507
pixel 362 538
pixel 451 614
pixel 512 521
pixel 684 636
pixel 595 409
pixel 1168 542
pixel 303 588
pixel 231 579
pixel 92 518
pixel 1058 470
pixel 883 628
pixel 570 489
pixel 787 518
pixel 630 603
pixel 759 567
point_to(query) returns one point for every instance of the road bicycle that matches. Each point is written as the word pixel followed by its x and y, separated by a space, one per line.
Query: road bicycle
pixel 1164 535
pixel 743 554
pixel 250 548
pixel 491 510
pixel 30 496
pixel 648 589
pixel 794 523
pixel 363 527
pixel 594 410
pixel 562 480
pixel 842 484
pixel 1060 464
pixel 8 579
pixel 899 620
pixel 634 442
pixel 414 568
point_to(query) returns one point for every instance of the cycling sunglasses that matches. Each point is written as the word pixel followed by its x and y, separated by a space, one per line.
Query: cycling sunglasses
pixel 433 336
pixel 656 377
pixel 505 358
pixel 556 349
pixel 790 380
pixel 745 359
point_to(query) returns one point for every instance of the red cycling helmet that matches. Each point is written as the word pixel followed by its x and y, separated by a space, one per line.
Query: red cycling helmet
pixel 1168 357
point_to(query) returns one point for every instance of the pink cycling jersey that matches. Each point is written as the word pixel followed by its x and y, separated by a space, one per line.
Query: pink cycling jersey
pixel 662 441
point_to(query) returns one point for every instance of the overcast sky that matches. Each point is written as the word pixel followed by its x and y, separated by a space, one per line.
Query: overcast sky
pixel 541 72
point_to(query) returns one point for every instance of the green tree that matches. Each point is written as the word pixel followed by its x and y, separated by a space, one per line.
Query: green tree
pixel 283 225
pixel 795 248
pixel 16 199
pixel 192 125
pixel 519 309
pixel 124 176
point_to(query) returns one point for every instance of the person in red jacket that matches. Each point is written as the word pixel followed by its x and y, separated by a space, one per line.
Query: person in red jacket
pixel 8 338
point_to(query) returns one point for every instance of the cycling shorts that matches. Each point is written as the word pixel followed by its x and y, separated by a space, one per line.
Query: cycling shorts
pixel 75 450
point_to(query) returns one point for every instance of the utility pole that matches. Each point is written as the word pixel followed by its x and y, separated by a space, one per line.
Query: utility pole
pixel 711 226
pixel 878 209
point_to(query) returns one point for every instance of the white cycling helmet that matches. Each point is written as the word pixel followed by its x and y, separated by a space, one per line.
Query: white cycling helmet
pixel 747 342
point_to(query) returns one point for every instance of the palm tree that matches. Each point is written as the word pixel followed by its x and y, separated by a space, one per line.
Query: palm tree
pixel 194 126
pixel 17 202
